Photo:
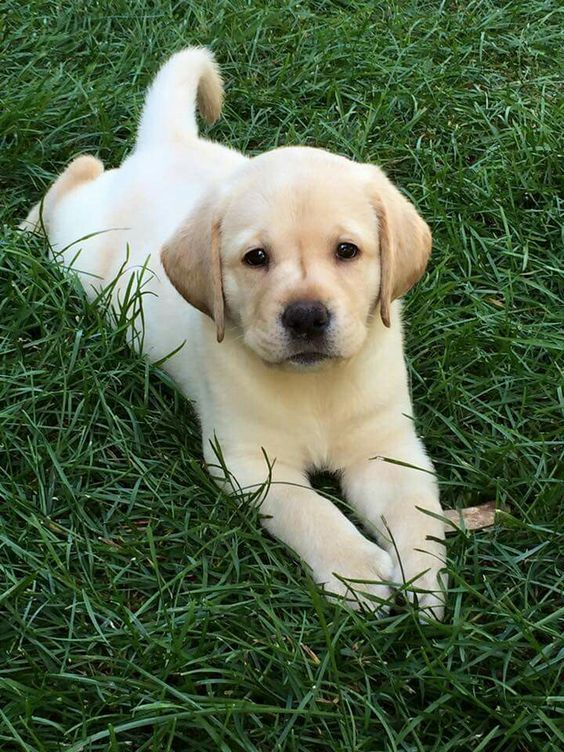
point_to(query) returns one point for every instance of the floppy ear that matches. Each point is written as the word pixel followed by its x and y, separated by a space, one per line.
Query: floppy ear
pixel 191 259
pixel 405 242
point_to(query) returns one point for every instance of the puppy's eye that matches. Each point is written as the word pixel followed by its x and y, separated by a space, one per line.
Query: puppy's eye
pixel 347 251
pixel 256 257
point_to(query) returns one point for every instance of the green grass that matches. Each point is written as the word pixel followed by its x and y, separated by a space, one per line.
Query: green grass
pixel 142 610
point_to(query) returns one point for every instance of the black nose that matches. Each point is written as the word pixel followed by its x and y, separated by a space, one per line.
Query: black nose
pixel 306 318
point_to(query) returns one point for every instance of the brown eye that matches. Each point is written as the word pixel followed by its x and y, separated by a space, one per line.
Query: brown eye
pixel 256 257
pixel 347 251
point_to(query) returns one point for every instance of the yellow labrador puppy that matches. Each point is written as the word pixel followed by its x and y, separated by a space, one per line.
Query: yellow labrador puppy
pixel 275 281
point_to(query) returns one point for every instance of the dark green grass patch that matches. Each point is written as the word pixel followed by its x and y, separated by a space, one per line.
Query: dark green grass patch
pixel 142 609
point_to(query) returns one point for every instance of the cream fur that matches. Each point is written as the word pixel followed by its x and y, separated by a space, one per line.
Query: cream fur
pixel 354 407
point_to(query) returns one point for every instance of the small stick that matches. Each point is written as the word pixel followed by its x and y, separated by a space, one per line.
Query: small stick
pixel 472 518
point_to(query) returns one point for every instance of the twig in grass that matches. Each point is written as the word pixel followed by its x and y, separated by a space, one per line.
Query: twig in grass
pixel 472 518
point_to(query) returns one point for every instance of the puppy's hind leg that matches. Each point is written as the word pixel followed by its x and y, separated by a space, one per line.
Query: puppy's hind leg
pixel 80 170
pixel 188 77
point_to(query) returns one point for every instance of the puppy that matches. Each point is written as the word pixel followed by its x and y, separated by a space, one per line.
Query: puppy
pixel 272 285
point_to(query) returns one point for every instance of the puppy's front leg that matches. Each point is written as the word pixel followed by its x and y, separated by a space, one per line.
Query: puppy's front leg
pixel 316 530
pixel 388 497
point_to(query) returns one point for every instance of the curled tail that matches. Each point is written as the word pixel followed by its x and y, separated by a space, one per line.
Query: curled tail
pixel 80 170
pixel 169 113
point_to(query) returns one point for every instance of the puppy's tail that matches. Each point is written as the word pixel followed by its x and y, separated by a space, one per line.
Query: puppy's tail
pixel 80 170
pixel 169 113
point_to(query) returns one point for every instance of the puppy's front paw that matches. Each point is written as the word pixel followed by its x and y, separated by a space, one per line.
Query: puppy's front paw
pixel 421 571
pixel 358 571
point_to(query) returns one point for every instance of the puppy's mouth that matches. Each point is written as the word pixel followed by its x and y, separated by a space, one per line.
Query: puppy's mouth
pixel 305 359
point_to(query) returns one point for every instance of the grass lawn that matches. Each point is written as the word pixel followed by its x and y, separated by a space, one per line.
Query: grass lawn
pixel 142 610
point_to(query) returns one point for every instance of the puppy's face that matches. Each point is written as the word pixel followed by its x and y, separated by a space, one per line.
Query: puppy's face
pixel 300 249
pixel 299 245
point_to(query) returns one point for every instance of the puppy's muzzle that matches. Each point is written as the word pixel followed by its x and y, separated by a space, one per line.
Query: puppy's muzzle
pixel 306 319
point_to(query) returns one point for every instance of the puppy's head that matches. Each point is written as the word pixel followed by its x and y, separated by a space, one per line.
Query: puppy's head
pixel 299 250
